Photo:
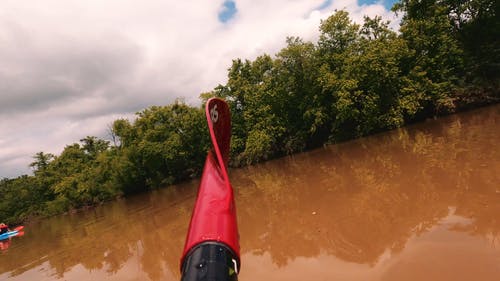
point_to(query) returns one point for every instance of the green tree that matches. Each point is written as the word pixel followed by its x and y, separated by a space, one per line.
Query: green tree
pixel 338 38
pixel 295 95
pixel 92 146
pixel 377 69
pixel 41 162
pixel 163 145
pixel 436 60
pixel 477 27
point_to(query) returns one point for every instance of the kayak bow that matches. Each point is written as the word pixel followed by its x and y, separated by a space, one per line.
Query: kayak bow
pixel 212 248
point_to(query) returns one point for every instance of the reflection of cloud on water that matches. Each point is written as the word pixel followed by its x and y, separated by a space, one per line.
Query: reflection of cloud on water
pixel 440 253
pixel 443 253
pixel 130 270
pixel 140 237
pixel 262 267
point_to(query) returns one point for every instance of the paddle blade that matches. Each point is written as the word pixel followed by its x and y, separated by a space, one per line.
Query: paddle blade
pixel 219 125
pixel 19 228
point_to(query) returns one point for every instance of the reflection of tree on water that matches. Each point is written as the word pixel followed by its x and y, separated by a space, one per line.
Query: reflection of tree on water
pixel 356 201
pixel 373 194
pixel 4 244
pixel 106 239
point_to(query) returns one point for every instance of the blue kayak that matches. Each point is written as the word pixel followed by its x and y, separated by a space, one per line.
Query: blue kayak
pixel 9 234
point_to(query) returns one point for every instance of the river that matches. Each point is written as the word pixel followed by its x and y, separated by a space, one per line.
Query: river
pixel 417 203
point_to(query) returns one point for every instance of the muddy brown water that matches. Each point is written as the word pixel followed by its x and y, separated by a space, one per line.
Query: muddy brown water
pixel 419 203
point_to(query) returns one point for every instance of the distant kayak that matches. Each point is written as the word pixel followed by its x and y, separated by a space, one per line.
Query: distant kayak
pixel 8 234
pixel 15 232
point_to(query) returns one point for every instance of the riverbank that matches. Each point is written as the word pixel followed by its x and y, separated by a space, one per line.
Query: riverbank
pixel 490 100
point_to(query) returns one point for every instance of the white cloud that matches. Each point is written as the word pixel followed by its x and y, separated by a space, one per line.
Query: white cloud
pixel 69 68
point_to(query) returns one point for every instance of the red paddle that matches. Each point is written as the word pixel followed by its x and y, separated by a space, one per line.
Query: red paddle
pixel 213 222
pixel 219 125
pixel 18 228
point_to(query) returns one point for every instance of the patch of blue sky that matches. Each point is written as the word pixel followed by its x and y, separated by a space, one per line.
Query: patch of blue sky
pixel 324 5
pixel 387 3
pixel 228 11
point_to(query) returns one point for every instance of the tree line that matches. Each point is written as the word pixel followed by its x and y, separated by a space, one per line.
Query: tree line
pixel 357 79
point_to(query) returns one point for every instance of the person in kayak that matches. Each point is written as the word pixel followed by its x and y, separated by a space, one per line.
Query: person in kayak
pixel 3 228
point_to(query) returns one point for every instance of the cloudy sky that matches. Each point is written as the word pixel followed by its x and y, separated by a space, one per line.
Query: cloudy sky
pixel 69 68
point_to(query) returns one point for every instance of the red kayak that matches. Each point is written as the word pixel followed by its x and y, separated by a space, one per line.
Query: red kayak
pixel 212 250
pixel 6 235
